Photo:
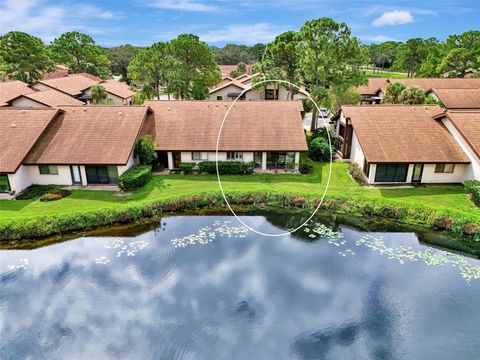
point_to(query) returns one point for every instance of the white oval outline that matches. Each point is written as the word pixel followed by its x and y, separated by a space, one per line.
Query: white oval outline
pixel 218 174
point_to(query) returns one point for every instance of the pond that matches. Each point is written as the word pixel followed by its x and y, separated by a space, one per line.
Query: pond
pixel 204 287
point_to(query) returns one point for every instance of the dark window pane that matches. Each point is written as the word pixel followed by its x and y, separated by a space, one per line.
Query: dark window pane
pixel 439 168
pixel 4 184
pixel 112 174
pixel 401 173
pixel 380 173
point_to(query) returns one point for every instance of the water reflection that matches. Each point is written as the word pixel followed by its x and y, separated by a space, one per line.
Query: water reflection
pixel 204 288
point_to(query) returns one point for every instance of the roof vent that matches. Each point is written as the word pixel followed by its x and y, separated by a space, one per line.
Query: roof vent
pixel 84 109
pixel 169 108
pixel 12 125
pixel 24 111
pixel 120 113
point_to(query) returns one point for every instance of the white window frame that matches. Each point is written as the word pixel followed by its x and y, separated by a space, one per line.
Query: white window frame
pixel 203 155
pixel 234 155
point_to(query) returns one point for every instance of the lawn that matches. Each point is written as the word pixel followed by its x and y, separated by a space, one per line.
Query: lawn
pixel 386 74
pixel 163 187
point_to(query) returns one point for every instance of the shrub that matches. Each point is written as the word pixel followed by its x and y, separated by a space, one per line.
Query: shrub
pixel 227 167
pixel 36 191
pixel 357 174
pixel 50 197
pixel 187 168
pixel 473 187
pixel 319 149
pixel 145 149
pixel 306 166
pixel 135 177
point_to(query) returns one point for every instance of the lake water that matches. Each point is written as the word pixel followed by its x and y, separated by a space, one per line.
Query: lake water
pixel 203 287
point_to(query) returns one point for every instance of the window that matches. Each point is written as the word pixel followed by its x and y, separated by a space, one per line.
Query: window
pixel 234 155
pixel 271 94
pixel 198 155
pixel 391 173
pixel 109 101
pixel 4 184
pixel 101 174
pixel 48 170
pixel 341 130
pixel 366 168
pixel 444 168
pixel 219 98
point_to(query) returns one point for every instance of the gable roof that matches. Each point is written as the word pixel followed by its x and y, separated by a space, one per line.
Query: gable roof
pixel 11 89
pixel 403 134
pixel 51 98
pixel 19 130
pixel 101 135
pixel 459 98
pixel 72 84
pixel 250 125
pixel 227 84
pixel 373 86
pixel 117 88
pixel 468 125
pixel 60 71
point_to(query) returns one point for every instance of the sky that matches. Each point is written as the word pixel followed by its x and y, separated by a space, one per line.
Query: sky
pixel 143 22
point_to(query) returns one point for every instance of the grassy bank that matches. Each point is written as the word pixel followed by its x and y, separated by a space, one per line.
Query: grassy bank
pixel 440 206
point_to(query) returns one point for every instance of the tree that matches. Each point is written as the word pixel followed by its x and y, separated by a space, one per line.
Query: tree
pixel 412 96
pixel 460 61
pixel 393 92
pixel 339 96
pixel 429 66
pixel 149 67
pixel 145 149
pixel 383 55
pixel 281 61
pixel 319 149
pixel 233 54
pixel 257 51
pixel 193 67
pixel 120 57
pixel 240 70
pixel 99 94
pixel 80 53
pixel 24 57
pixel 456 63
pixel 410 56
pixel 329 56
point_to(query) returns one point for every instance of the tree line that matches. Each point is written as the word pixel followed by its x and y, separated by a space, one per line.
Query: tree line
pixel 454 57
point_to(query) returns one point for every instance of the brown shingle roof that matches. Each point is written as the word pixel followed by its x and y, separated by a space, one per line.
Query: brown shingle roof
pixel 11 89
pixel 52 98
pixel 90 135
pixel 459 98
pixel 19 130
pixel 373 86
pixel 72 84
pixel 117 88
pixel 403 134
pixel 468 125
pixel 250 125
pixel 60 71
pixel 225 70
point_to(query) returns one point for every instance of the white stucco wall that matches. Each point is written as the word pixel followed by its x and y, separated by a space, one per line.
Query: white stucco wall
pixel 472 171
pixel 63 177
pixel 428 176
pixel 356 153
pixel 186 156
pixel 116 100
pixel 20 180
pixel 131 161
pixel 26 103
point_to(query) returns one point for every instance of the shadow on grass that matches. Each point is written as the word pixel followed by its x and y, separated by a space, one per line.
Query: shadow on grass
pixel 424 190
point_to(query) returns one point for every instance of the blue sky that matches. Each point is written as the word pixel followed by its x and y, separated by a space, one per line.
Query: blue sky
pixel 142 22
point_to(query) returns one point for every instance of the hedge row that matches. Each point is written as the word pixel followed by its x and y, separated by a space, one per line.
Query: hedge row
pixel 42 226
pixel 135 177
pixel 473 187
pixel 226 167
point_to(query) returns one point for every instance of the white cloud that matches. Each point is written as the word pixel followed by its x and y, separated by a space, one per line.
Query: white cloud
pixel 183 5
pixel 393 18
pixel 49 21
pixel 245 34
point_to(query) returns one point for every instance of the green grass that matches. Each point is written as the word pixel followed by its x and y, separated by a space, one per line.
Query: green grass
pixel 386 75
pixel 442 198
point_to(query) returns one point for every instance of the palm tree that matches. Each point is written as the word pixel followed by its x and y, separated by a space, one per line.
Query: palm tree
pixel 99 94
pixel 393 93
pixel 412 96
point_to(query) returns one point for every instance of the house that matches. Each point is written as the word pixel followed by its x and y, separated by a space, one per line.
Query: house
pixel 401 144
pixel 456 98
pixel 79 86
pixel 225 70
pixel 267 133
pixel 464 126
pixel 72 145
pixel 373 92
pixel 11 89
pixel 44 99
pixel 230 90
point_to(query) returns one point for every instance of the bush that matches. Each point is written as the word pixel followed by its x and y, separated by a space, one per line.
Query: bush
pixel 135 177
pixel 50 197
pixel 306 166
pixel 473 187
pixel 227 167
pixel 187 168
pixel 357 174
pixel 319 149
pixel 37 191
pixel 145 149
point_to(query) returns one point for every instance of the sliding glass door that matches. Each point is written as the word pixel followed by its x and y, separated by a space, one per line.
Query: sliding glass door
pixel 391 173
pixel 101 174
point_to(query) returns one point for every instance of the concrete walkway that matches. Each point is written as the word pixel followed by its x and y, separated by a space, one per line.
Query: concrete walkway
pixel 93 187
